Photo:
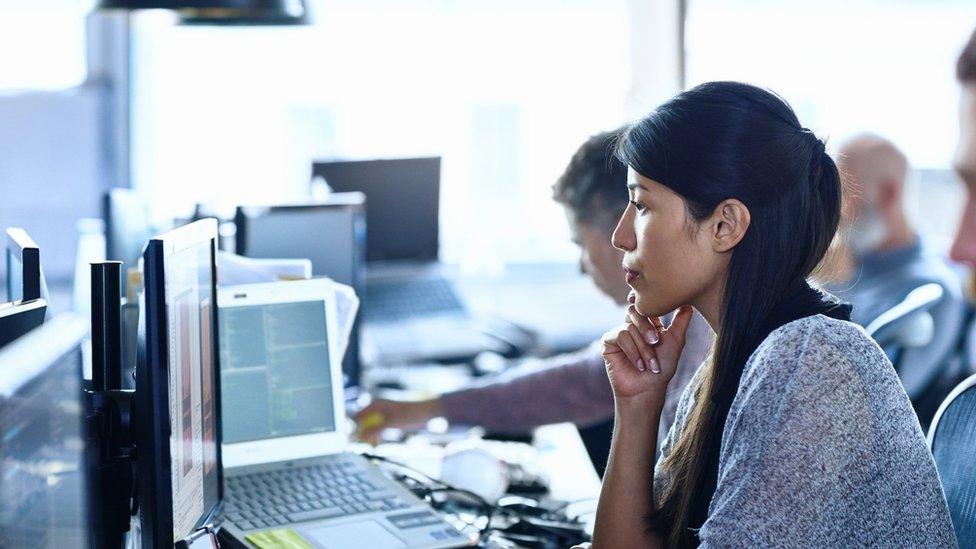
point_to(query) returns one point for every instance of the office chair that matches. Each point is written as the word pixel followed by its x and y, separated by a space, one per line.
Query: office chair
pixel 952 439
pixel 968 344
pixel 907 325
pixel 908 322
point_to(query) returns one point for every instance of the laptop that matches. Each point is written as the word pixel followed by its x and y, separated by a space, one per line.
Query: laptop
pixel 287 475
pixel 411 310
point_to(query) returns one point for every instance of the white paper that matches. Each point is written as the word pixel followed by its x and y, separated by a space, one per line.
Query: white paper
pixel 234 269
pixel 347 304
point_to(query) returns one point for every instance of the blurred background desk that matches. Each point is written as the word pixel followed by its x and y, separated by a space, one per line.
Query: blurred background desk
pixel 555 301
pixel 572 477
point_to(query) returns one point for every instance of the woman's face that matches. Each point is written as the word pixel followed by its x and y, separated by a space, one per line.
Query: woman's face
pixel 668 258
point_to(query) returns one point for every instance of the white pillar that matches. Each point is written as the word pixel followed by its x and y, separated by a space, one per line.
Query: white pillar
pixel 656 54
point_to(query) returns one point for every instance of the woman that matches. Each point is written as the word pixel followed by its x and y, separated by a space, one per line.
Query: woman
pixel 796 432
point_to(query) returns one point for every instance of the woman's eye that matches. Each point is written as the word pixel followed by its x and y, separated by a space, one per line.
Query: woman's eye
pixel 638 206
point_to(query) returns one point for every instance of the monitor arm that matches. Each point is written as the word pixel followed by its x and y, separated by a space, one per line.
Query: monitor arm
pixel 110 441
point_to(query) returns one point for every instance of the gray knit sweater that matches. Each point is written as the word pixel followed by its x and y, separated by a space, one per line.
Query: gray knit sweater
pixel 821 449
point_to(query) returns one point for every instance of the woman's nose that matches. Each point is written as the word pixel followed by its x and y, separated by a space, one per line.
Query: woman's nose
pixel 623 235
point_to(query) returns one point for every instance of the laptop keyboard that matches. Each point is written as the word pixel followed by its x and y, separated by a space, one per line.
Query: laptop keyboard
pixel 395 300
pixel 314 492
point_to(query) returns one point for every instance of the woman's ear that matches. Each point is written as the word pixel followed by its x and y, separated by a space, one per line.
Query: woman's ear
pixel 728 224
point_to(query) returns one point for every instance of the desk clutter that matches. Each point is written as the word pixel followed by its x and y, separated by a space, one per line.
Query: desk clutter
pixel 198 394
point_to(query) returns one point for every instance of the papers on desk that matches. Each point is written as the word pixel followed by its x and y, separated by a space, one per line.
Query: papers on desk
pixel 234 269
pixel 347 304
pixel 284 538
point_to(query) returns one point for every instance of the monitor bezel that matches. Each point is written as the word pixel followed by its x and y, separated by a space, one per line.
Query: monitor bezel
pixel 22 308
pixel 152 386
pixel 21 246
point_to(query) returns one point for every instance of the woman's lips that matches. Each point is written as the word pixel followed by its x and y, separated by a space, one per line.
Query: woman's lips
pixel 630 275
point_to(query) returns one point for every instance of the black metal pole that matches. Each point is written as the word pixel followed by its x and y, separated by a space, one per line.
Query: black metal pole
pixel 106 329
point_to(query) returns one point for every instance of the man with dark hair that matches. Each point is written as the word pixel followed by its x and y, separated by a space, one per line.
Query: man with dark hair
pixel 964 248
pixel 572 387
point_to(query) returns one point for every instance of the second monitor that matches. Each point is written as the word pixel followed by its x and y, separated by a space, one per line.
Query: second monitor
pixel 330 233
pixel 402 203
pixel 178 432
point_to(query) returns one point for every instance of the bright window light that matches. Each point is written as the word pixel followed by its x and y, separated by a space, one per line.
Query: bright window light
pixel 43 45
pixel 504 93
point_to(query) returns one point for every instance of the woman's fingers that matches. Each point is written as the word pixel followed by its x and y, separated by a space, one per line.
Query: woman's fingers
pixel 646 351
pixel 626 343
pixel 679 324
pixel 656 321
pixel 648 331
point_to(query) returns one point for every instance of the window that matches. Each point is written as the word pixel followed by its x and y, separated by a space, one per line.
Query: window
pixel 43 45
pixel 851 66
pixel 504 91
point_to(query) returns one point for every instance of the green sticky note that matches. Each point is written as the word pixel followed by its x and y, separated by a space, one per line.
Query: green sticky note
pixel 285 538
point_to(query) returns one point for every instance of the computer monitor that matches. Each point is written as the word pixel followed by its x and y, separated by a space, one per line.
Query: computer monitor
pixel 25 280
pixel 330 233
pixel 402 203
pixel 43 497
pixel 19 318
pixel 177 388
pixel 128 226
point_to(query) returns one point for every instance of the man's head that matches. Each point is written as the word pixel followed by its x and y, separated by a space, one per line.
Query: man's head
pixel 593 190
pixel 964 248
pixel 873 214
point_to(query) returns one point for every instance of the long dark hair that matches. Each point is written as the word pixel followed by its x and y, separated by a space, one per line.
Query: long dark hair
pixel 717 141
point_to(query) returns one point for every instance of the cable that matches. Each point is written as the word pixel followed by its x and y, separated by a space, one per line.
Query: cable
pixel 485 508
pixel 488 509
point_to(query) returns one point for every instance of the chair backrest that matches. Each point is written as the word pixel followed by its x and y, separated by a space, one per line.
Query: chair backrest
pixel 885 329
pixel 968 344
pixel 952 439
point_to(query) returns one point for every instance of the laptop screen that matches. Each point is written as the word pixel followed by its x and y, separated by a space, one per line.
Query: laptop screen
pixel 275 371
pixel 402 203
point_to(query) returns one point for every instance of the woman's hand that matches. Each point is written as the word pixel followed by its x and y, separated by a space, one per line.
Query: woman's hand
pixel 382 413
pixel 642 355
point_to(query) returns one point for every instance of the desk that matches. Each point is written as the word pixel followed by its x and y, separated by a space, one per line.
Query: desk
pixel 571 474
pixel 559 451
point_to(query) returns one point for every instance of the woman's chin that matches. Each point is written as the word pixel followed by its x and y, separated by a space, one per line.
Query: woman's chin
pixel 646 306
